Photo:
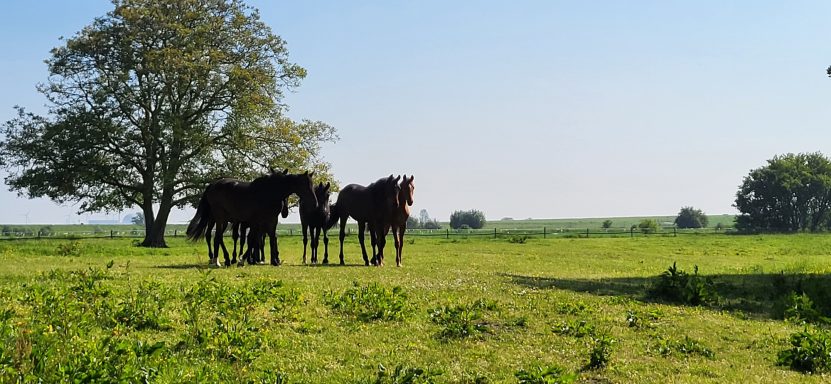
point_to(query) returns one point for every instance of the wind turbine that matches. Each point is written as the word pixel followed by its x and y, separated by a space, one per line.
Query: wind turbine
pixel 27 217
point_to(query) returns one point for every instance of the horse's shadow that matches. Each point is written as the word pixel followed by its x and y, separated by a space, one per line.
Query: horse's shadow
pixel 207 266
pixel 757 294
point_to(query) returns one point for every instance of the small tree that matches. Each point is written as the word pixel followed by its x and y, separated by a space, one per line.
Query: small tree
pixel 473 218
pixel 138 219
pixel 607 224
pixel 431 224
pixel 648 226
pixel 690 217
pixel 413 223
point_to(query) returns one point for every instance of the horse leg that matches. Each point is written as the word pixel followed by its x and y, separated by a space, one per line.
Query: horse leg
pixel 272 237
pixel 342 235
pixel 208 240
pixel 219 242
pixel 305 240
pixel 315 243
pixel 398 242
pixel 381 240
pixel 361 228
pixel 235 236
pixel 325 246
pixel 403 230
pixel 261 253
pixel 373 240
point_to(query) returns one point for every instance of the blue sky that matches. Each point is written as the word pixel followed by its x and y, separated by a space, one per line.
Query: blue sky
pixel 542 109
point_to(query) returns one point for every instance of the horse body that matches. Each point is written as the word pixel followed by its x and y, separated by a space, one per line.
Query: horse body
pixel 368 206
pixel 257 203
pixel 314 219
pixel 397 218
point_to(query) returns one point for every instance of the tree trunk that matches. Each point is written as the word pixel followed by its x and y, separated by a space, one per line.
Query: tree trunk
pixel 154 236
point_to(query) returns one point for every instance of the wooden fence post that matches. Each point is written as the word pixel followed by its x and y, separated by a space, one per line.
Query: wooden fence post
pixel 447 235
pixel 112 234
pixel 674 231
pixel 631 231
pixel 543 232
pixel 494 233
pixel 587 233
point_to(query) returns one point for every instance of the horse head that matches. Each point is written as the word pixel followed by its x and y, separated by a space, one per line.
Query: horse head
pixel 304 187
pixel 322 193
pixel 407 190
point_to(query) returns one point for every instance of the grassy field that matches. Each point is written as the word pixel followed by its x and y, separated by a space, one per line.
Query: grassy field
pixel 464 310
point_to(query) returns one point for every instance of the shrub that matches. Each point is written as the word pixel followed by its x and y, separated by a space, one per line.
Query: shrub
pixel 143 308
pixel 648 226
pixel 431 224
pixel 607 224
pixel 810 352
pixel 573 307
pixel 473 218
pixel 548 375
pixel 518 239
pixel 45 230
pixel 799 308
pixel 369 303
pixel 678 286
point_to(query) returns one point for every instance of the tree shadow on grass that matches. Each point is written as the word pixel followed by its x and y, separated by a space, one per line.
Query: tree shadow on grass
pixel 758 294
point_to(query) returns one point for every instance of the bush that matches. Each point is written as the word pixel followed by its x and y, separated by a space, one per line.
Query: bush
pixel 810 352
pixel 431 224
pixel 648 226
pixel 473 218
pixel 369 303
pixel 518 239
pixel 45 230
pixel 678 286
pixel 607 224
pixel 799 308
pixel 690 217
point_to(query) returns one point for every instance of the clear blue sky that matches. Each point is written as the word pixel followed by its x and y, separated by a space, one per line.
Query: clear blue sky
pixel 542 109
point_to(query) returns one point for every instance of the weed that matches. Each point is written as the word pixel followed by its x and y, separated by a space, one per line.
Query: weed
pixel 402 375
pixel 678 286
pixel 573 308
pixel 518 239
pixel 575 328
pixel 601 351
pixel 72 248
pixel 799 308
pixel 369 303
pixel 462 320
pixel 549 375
pixel 143 308
pixel 810 352
pixel 687 346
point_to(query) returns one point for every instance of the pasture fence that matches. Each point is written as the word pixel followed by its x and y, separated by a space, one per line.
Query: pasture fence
pixel 496 233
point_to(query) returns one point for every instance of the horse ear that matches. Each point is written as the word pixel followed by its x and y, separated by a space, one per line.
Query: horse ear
pixel 271 169
pixel 411 178
pixel 328 185
pixel 286 171
pixel 398 178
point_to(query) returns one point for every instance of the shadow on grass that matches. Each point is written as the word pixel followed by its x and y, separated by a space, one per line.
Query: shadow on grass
pixel 207 266
pixel 758 294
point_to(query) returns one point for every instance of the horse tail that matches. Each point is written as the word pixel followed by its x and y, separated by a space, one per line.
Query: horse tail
pixel 200 221
pixel 333 216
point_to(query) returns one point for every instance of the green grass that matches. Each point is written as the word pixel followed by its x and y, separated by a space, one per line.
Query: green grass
pixel 249 327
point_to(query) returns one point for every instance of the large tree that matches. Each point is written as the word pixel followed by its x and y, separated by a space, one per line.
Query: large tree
pixel 791 193
pixel 154 99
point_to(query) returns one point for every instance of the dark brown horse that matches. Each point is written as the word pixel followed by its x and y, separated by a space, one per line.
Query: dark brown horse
pixel 257 203
pixel 314 219
pixel 367 205
pixel 397 218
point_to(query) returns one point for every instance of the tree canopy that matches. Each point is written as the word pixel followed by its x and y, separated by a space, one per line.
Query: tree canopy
pixel 153 100
pixel 473 219
pixel 690 217
pixel 791 193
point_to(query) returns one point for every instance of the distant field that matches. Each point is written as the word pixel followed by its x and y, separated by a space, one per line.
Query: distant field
pixel 552 225
pixel 471 310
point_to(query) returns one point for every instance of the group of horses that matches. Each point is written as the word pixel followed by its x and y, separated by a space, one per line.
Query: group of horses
pixel 252 209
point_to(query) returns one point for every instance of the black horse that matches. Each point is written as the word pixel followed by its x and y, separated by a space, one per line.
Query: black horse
pixel 257 203
pixel 313 219
pixel 367 205
pixel 239 231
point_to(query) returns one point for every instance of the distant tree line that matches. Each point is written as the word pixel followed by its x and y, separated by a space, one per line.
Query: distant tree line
pixel 423 221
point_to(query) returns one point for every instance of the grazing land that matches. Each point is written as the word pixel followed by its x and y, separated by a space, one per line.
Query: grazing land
pixel 461 310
